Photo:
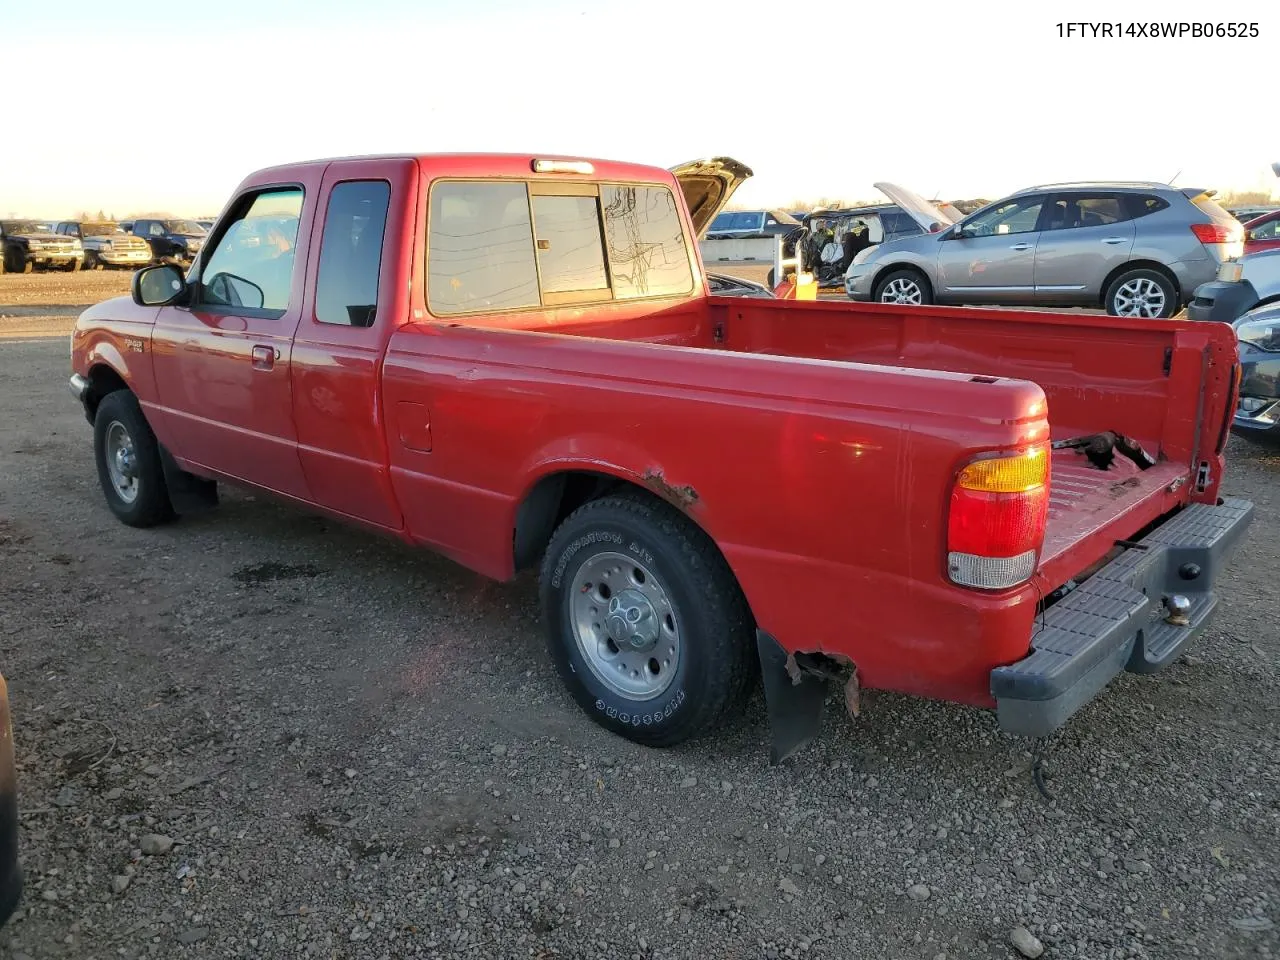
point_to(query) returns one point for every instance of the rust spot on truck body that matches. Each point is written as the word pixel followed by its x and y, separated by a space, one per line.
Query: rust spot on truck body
pixel 682 496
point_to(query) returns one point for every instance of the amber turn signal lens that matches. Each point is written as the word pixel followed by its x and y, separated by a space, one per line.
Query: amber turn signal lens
pixel 1015 474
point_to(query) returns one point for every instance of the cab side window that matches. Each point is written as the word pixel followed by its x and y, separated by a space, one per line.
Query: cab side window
pixel 251 265
pixel 351 253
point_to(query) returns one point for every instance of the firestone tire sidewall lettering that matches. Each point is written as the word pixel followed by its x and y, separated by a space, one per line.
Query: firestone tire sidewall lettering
pixel 631 718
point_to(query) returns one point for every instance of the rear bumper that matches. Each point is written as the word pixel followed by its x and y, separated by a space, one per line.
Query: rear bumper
pixel 1219 300
pixel 1117 619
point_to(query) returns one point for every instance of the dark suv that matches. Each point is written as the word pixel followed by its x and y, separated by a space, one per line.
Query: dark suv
pixel 174 241
pixel 27 244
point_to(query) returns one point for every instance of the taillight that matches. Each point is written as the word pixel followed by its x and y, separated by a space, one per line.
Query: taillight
pixel 1218 232
pixel 995 528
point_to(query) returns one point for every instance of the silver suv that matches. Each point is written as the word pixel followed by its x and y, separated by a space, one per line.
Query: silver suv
pixel 1137 249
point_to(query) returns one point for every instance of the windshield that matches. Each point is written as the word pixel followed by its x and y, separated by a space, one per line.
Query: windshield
pixel 21 226
pixel 737 221
pixel 97 229
pixel 189 227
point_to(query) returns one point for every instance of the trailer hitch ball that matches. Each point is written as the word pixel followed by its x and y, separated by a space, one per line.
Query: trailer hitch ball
pixel 1179 608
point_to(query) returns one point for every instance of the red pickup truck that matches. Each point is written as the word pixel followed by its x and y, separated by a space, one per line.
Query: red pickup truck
pixel 515 360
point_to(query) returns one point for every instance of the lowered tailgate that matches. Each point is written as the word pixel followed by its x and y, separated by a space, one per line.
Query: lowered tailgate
pixel 1087 504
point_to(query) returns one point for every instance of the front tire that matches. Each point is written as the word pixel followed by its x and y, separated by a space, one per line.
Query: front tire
pixel 91 261
pixel 73 266
pixel 906 287
pixel 1142 293
pixel 128 458
pixel 18 262
pixel 645 623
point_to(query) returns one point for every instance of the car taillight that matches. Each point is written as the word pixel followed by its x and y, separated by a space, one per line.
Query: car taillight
pixel 1218 232
pixel 995 527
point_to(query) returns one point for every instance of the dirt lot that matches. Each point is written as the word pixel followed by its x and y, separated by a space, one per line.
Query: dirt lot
pixel 259 734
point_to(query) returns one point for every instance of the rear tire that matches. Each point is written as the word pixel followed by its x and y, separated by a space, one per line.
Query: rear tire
pixel 904 286
pixel 1144 293
pixel 128 458
pixel 685 656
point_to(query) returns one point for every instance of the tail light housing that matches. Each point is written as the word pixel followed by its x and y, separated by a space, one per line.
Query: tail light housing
pixel 996 522
pixel 1218 232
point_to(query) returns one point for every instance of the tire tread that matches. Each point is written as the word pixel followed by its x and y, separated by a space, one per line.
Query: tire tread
pixel 729 651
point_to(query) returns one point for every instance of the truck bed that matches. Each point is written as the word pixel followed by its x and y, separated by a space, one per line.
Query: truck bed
pixel 1085 501
pixel 1146 379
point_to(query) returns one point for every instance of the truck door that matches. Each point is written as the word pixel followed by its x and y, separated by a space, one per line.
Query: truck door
pixel 361 244
pixel 222 364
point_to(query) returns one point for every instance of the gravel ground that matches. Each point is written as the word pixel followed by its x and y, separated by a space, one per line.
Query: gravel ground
pixel 259 734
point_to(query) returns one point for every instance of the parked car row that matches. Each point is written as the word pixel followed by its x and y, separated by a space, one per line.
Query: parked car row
pixel 27 245
pixel 1134 249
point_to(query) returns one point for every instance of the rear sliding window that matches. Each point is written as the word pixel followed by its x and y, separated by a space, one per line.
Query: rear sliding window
pixel 646 243
pixel 507 246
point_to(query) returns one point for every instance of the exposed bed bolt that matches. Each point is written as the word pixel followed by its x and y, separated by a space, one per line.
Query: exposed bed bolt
pixel 1179 607
pixel 1189 571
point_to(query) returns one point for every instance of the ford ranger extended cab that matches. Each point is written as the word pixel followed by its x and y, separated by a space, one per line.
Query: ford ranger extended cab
pixel 515 361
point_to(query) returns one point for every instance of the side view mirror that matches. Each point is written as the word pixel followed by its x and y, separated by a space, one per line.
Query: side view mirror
pixel 158 286
pixel 961 231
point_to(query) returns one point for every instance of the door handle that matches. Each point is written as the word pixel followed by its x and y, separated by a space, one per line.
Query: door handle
pixel 264 358
pixel 1114 239
pixel 1021 246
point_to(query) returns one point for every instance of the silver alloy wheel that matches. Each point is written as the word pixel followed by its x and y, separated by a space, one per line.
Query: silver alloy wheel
pixel 122 462
pixel 625 626
pixel 901 290
pixel 1139 297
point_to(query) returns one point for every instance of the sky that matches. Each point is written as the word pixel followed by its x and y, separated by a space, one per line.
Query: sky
pixel 168 108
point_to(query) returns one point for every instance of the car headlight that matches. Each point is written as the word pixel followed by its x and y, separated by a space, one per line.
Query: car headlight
pixel 1263 334
pixel 1230 271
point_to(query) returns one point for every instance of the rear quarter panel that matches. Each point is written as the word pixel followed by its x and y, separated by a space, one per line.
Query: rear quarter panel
pixel 824 484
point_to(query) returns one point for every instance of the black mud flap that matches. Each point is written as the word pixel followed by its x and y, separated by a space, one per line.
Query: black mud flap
pixel 188 494
pixel 795 705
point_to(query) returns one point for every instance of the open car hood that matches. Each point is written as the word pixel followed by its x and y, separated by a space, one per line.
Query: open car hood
pixel 930 217
pixel 708 184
